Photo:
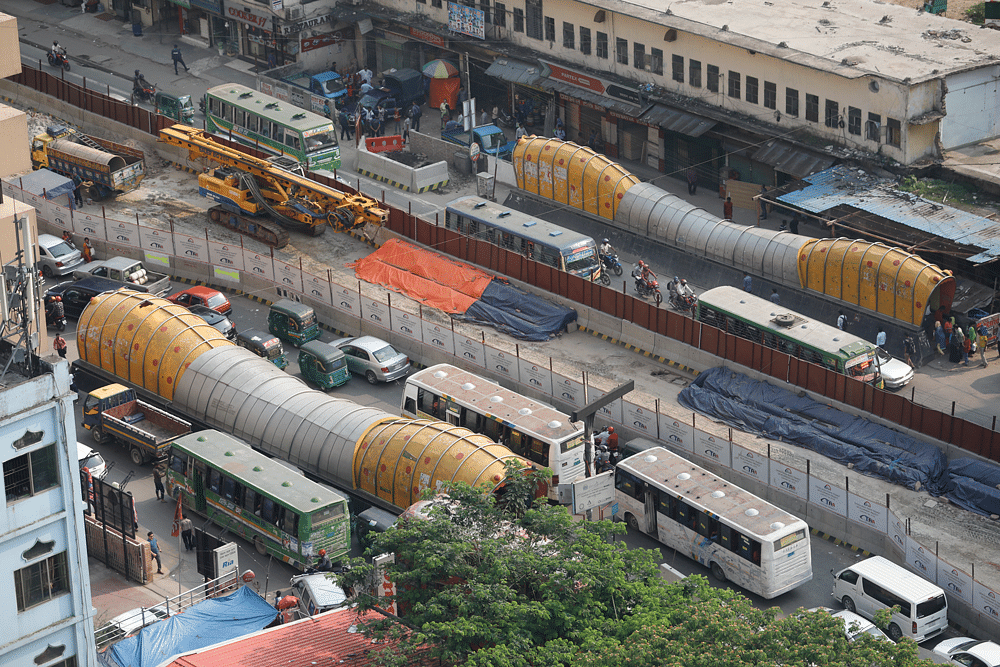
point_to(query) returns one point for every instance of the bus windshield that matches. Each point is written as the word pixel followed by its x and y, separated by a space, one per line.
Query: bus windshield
pixel 580 259
pixel 322 140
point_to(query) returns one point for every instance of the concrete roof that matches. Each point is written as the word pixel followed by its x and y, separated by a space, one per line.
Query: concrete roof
pixel 852 38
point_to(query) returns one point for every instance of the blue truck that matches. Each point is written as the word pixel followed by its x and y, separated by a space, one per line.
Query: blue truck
pixel 491 140
pixel 325 84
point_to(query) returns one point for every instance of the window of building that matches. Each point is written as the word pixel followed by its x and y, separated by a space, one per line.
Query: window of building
pixel 602 45
pixel 436 3
pixel 677 68
pixel 832 115
pixel 569 35
pixel 656 62
pixel 533 14
pixel 423 2
pixel 873 128
pixel 792 102
pixel 518 19
pixel 500 15
pixel 621 50
pixel 550 29
pixel 734 84
pixel 752 89
pixel 30 474
pixel 639 55
pixel 485 6
pixel 41 582
pixel 854 120
pixel 585 41
pixel 712 79
pixel 694 73
pixel 893 132
pixel 812 108
pixel 770 95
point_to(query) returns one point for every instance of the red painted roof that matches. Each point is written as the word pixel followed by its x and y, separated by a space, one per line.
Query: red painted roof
pixel 324 639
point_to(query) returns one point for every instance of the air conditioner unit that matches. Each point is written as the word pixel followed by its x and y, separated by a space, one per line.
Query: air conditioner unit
pixel 293 13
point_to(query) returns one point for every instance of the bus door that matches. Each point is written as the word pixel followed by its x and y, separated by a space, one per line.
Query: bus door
pixel 454 414
pixel 652 501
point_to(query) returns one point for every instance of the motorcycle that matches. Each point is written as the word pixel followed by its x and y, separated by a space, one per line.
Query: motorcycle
pixel 201 104
pixel 59 60
pixel 143 91
pixel 649 287
pixel 611 263
pixel 683 304
pixel 54 318
pixel 506 119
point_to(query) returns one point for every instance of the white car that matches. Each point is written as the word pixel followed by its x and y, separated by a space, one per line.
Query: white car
pixel 855 625
pixel 895 373
pixel 970 652
pixel 129 623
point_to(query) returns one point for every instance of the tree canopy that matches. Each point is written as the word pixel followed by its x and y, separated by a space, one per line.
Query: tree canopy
pixel 495 583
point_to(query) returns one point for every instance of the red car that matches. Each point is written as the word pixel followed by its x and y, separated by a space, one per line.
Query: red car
pixel 202 296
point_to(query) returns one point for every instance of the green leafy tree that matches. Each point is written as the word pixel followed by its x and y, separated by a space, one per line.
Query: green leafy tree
pixel 500 583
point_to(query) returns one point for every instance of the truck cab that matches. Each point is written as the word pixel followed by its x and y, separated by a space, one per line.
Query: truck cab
pixel 40 156
pixel 323 365
pixel 99 400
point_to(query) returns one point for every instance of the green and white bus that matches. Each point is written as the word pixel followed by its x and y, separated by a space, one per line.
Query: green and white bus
pixel 273 126
pixel 259 498
pixel 747 316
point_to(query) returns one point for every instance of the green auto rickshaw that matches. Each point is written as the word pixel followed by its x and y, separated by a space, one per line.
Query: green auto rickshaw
pixel 293 322
pixel 175 107
pixel 323 365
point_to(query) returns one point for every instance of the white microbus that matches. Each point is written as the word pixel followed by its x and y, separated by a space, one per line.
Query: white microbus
pixel 531 429
pixel 742 538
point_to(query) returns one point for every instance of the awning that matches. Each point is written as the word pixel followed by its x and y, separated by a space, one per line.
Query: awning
pixel 677 121
pixel 515 71
pixel 791 160
pixel 611 103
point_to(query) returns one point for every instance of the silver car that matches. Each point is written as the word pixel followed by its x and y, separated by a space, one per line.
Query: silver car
pixel 895 373
pixel 374 358
pixel 57 257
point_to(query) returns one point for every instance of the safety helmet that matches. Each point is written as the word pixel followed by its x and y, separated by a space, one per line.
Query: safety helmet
pixel 684 281
pixel 642 263
pixel 137 72
pixel 57 298
pixel 322 552
pixel 605 241
pixel 611 429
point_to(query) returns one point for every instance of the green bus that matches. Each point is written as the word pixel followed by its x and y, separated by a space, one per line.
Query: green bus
pixel 271 125
pixel 747 316
pixel 259 498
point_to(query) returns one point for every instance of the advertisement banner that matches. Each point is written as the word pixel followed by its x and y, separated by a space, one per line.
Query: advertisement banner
pixel 568 390
pixel 287 276
pixel 438 336
pixel 123 233
pixel 89 226
pixel 60 216
pixel 677 433
pixel 639 419
pixel 502 363
pixel 828 496
pixel 225 255
pixel 986 602
pixel 470 350
pixel 750 463
pixel 258 265
pixel 193 248
pixel 789 480
pixel 897 534
pixel 712 448
pixel 535 376
pixel 13 191
pixel 406 324
pixel 867 513
pixel 346 300
pixel 466 20
pixel 156 240
pixel 316 287
pixel 922 561
pixel 375 312
pixel 955 582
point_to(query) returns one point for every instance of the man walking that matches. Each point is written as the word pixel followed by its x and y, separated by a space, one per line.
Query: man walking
pixel 415 113
pixel 59 344
pixel 176 55
pixel 158 483
pixel 775 297
pixel 727 209
pixel 78 190
pixel 747 282
pixel 880 338
pixel 692 179
pixel 910 350
pixel 983 337
pixel 841 320
pixel 154 547
pixel 187 533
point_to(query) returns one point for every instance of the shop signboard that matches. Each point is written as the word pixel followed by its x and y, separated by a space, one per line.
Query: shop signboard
pixel 214 6
pixel 307 24
pixel 429 37
pixel 630 95
pixel 466 20
pixel 247 15
pixel 182 3
pixel 576 78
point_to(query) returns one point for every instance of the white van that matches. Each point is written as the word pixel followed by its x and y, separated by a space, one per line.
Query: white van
pixel 317 593
pixel 91 459
pixel 877 583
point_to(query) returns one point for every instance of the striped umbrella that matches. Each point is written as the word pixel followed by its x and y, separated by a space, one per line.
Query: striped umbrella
pixel 439 69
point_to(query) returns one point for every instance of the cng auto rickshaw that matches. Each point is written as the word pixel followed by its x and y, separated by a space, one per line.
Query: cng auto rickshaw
pixel 293 322
pixel 175 107
pixel 323 365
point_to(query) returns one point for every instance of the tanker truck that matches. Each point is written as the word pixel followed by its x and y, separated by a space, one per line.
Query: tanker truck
pixel 176 361
pixel 107 168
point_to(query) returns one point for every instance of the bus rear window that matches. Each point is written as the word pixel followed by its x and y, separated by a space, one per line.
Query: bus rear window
pixel 570 444
pixel 789 540
pixel 931 607
pixel 327 515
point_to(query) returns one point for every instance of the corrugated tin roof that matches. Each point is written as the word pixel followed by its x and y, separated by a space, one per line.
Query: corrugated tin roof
pixel 515 71
pixel 790 159
pixel 840 186
pixel 678 121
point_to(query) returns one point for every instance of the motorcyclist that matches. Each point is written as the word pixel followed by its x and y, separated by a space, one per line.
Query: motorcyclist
pixel 323 564
pixel 55 310
pixel 647 274
pixel 606 249
pixel 139 82
pixel 608 438
pixel 57 50
pixel 682 289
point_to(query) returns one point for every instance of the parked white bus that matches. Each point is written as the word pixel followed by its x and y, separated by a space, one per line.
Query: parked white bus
pixel 742 538
pixel 531 429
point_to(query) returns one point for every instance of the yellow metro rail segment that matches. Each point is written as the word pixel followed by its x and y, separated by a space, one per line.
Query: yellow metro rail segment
pixel 294 200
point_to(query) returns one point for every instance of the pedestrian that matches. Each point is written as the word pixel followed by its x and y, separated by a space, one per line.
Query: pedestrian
pixel 187 533
pixel 775 297
pixel 692 179
pixel 940 340
pixel 909 350
pixel 727 209
pixel 957 345
pixel 59 344
pixel 594 142
pixel 415 113
pixel 397 119
pixel 176 55
pixel 484 118
pixel 763 202
pixel 154 547
pixel 445 113
pixel 841 320
pixel 519 132
pixel 407 122
pixel 78 190
pixel 158 483
pixel 794 224
pixel 559 132
pixel 984 335
pixel 747 282
pixel 496 115
pixel 88 251
pixel 966 348
pixel 880 338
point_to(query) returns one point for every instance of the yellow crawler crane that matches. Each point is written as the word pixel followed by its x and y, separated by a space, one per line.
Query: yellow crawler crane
pixel 248 188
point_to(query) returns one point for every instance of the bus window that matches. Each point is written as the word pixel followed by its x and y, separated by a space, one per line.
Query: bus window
pixel 225 111
pixel 473 227
pixel 528 249
pixel 667 505
pixel 268 510
pixel 290 523
pixel 539 453
pixel 265 128
pixel 251 501
pixel 252 123
pixel 277 133
pixel 214 480
pixel 726 537
pixel 491 429
pixel 686 515
pixel 410 406
pixel 769 339
pixel 550 257
pixel 292 140
pixel 178 462
pixel 229 488
pixel 704 524
pixel 628 484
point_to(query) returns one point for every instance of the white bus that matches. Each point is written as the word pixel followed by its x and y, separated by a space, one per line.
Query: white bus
pixel 742 538
pixel 531 429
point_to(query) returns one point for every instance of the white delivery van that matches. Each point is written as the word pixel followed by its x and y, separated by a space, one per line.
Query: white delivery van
pixel 91 459
pixel 877 583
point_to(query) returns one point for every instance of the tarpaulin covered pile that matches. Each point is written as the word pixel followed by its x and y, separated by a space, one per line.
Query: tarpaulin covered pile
pixel 206 623
pixel 974 485
pixel 874 450
pixel 462 291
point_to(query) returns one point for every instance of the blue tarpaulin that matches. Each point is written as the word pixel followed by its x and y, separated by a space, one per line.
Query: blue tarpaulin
pixel 205 624
pixel 973 485
pixel 759 407
pixel 53 186
pixel 517 313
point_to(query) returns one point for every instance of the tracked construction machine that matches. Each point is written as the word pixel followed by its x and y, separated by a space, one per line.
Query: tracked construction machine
pixel 251 192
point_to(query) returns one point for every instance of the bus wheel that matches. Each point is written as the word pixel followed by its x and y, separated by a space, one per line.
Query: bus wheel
pixel 259 545
pixel 632 521
pixel 718 573
pixel 137 456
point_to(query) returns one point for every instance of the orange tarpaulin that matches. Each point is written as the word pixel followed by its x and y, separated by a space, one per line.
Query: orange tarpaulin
pixel 423 275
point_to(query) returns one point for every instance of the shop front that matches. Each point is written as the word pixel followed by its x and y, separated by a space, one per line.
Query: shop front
pixel 252 35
